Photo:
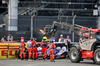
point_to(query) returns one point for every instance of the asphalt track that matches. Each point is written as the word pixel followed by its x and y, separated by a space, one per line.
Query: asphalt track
pixel 61 62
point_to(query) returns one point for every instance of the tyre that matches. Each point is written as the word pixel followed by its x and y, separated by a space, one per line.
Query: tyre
pixel 97 56
pixel 75 55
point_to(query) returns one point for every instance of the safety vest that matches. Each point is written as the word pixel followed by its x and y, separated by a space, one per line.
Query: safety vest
pixel 44 45
pixel 29 44
pixel 22 45
pixel 50 46
pixel 34 45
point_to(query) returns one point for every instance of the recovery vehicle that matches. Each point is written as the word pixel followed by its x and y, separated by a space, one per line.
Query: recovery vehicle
pixel 88 46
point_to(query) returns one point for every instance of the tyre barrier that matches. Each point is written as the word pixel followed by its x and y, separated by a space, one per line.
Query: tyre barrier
pixel 9 50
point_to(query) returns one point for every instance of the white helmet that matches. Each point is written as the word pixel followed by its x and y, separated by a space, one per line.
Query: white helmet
pixel 39 48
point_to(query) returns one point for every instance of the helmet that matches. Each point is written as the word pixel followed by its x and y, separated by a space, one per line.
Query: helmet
pixel 39 48
pixel 31 39
pixel 22 39
pixel 34 39
pixel 44 39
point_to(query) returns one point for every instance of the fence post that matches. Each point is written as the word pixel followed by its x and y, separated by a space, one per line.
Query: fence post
pixel 32 25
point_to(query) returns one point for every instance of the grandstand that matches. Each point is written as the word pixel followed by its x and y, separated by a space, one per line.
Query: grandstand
pixel 47 11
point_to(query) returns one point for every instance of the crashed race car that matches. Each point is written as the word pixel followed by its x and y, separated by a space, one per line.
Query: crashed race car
pixel 60 53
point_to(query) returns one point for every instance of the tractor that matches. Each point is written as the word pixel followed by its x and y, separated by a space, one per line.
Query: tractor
pixel 88 46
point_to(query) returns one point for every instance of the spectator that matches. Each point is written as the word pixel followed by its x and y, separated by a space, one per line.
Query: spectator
pixel 52 39
pixel 10 37
pixel 3 38
pixel 61 39
pixel 68 39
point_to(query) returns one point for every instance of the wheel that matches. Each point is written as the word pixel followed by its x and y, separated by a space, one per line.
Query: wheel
pixel 97 56
pixel 75 55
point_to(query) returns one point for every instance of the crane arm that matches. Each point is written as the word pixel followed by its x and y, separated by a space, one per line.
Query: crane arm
pixel 50 30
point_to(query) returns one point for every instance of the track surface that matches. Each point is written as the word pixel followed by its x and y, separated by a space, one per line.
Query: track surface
pixel 60 62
